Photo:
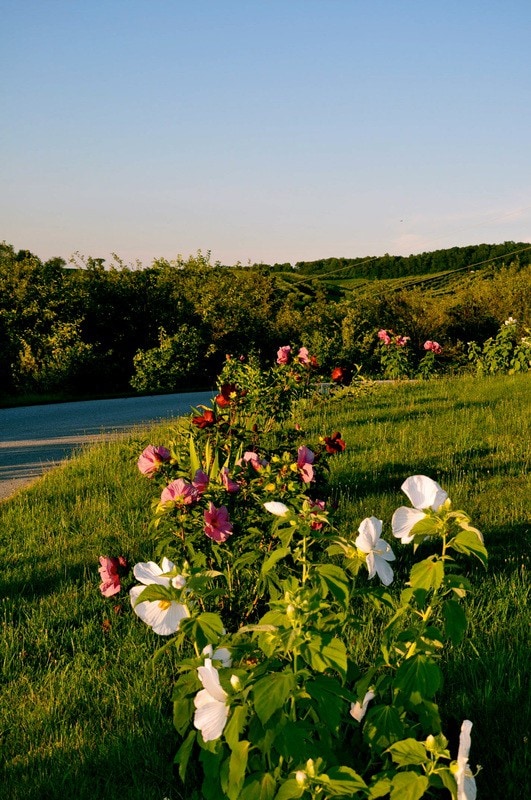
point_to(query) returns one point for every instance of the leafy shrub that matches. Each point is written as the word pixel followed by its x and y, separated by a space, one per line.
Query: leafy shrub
pixel 171 365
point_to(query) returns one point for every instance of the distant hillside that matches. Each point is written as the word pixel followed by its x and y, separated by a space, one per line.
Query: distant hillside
pixel 440 271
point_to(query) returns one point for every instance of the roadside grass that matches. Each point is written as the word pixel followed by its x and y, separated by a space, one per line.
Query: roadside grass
pixel 81 711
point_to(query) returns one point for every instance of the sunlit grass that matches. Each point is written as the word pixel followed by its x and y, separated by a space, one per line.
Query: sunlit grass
pixel 80 713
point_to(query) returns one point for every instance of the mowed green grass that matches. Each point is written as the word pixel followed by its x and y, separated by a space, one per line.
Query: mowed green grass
pixel 81 712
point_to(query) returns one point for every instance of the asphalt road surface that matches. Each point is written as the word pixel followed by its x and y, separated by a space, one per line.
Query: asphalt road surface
pixel 36 438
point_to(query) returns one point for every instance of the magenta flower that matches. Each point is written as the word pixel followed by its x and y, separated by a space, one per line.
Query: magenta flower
pixel 229 484
pixel 384 336
pixel 180 492
pixel 305 459
pixel 316 507
pixel 152 458
pixel 283 354
pixel 401 341
pixel 217 523
pixel 111 570
pixel 434 346
pixel 304 356
pixel 200 481
pixel 253 459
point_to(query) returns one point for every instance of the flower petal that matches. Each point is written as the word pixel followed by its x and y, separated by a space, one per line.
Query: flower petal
pixel 384 571
pixel 357 710
pixel 210 715
pixel 424 492
pixel 209 677
pixel 369 533
pixel 148 572
pixel 276 508
pixel 403 520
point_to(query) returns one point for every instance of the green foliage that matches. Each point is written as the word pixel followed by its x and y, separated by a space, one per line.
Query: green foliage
pixel 171 366
pixel 508 352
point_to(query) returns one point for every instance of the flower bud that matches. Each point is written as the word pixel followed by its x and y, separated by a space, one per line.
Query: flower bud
pixel 235 682
pixel 301 778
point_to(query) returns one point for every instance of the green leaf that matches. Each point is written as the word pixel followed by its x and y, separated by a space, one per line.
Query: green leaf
pixel 408 786
pixel 427 526
pixel 334 579
pixel 324 651
pixel 205 629
pixel 380 788
pixel 235 725
pixel 195 463
pixel 455 621
pixel 259 787
pixel 344 781
pixel 182 714
pixel 418 674
pixel 468 542
pixel 383 726
pixel 427 574
pixel 237 768
pixel 271 692
pixel 183 754
pixel 154 591
pixel 289 789
pixel 408 752
pixel 275 556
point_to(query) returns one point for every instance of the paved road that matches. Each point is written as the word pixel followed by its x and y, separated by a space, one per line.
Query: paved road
pixel 36 438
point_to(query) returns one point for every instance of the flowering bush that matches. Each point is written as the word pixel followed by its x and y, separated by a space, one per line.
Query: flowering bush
pixel 508 351
pixel 394 355
pixel 263 600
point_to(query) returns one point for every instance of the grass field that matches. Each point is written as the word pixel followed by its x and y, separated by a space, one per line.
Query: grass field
pixel 82 714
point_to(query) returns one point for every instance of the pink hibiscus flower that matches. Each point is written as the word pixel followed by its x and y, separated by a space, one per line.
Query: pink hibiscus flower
pixel 384 336
pixel 180 492
pixel 434 346
pixel 152 458
pixel 217 523
pixel 283 354
pixel 304 356
pixel 111 570
pixel 200 481
pixel 229 484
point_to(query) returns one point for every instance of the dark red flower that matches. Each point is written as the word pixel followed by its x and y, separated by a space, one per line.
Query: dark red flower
pixel 206 420
pixel 226 395
pixel 334 443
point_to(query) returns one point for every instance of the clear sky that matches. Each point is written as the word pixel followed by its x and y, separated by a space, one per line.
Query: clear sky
pixel 263 130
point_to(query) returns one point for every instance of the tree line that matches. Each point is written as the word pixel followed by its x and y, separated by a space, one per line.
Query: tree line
pixel 87 328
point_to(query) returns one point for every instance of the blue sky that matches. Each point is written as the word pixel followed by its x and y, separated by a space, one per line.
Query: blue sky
pixel 264 130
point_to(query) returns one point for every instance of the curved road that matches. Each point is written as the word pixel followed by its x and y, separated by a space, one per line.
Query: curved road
pixel 36 438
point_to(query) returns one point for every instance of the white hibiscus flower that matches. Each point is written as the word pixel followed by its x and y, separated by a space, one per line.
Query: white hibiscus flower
pixel 377 549
pixel 276 508
pixel 358 710
pixel 424 493
pixel 211 709
pixel 164 615
pixel 222 654
pixel 466 783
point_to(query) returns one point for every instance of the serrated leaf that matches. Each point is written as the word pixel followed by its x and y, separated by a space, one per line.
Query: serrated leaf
pixel 408 752
pixel 289 789
pixel 455 621
pixel 271 692
pixel 155 591
pixel 408 786
pixel 418 674
pixel 335 581
pixel 468 543
pixel 273 559
pixel 427 526
pixel 344 782
pixel 324 651
pixel 380 788
pixel 383 726
pixel 237 768
pixel 235 725
pixel 183 754
pixel 427 574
